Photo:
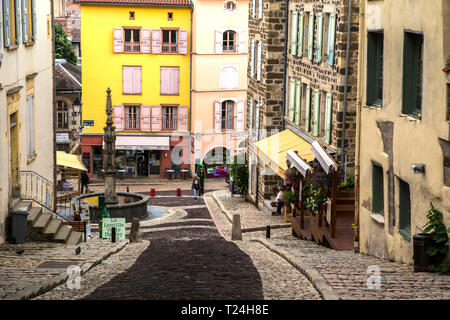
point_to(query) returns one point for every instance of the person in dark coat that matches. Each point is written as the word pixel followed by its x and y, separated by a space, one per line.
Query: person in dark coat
pixel 84 181
pixel 201 176
pixel 196 186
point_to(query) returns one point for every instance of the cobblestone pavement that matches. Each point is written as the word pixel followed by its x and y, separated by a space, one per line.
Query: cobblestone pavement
pixel 345 271
pixel 22 271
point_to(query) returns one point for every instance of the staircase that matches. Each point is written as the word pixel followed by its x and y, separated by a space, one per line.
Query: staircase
pixel 42 227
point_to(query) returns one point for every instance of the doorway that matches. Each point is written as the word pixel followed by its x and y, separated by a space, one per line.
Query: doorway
pixel 155 162
pixel 14 155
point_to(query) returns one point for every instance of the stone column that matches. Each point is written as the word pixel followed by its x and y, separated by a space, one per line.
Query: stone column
pixel 110 151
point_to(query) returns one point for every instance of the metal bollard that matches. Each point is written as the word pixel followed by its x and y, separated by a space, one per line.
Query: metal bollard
pixel 128 189
pixel 268 231
pixel 113 234
pixel 178 192
pixel 153 193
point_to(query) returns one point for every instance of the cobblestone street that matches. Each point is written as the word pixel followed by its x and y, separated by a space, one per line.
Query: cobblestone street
pixel 188 255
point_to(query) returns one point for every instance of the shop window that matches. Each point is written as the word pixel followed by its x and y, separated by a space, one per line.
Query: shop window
pixel 170 118
pixel 132 117
pixel 62 115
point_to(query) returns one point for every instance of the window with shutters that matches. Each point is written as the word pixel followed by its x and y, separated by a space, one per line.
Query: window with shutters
pixel 132 117
pixel 227 115
pixel 169 117
pixel 132 79
pixel 229 5
pixel 229 41
pixel 132 40
pixel 377 189
pixel 404 223
pixel 169 41
pixel 11 22
pixel 170 80
pixel 28 20
pixel 412 73
pixel 62 114
pixel 374 68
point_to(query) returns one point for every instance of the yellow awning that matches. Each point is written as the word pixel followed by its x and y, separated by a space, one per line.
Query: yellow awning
pixel 69 160
pixel 273 150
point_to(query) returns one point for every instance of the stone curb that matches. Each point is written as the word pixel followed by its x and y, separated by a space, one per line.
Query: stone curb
pixel 251 229
pixel 48 284
pixel 317 280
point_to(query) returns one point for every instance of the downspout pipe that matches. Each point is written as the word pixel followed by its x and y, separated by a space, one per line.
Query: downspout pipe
pixel 344 111
pixel 190 87
pixel 358 119
pixel 52 9
pixel 286 35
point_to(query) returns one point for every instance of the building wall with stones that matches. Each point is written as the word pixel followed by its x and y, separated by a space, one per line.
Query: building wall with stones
pixel 393 139
pixel 321 71
pixel 265 89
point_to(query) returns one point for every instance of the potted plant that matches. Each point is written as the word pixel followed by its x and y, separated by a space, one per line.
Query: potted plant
pixel 438 232
pixel 291 197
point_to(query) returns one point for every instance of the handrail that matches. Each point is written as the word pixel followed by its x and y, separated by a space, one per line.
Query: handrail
pixel 36 188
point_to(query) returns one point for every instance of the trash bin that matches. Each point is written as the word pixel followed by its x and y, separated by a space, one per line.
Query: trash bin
pixel 421 243
pixel 19 226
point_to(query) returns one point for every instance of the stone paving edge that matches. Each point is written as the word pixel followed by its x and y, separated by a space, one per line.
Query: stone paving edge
pixel 317 280
pixel 48 284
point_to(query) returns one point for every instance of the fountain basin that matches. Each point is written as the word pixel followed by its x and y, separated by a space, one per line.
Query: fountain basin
pixel 131 205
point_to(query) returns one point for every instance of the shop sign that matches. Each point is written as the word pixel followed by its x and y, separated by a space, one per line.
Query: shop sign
pixel 62 137
pixel 236 135
pixel 88 123
pixel 109 223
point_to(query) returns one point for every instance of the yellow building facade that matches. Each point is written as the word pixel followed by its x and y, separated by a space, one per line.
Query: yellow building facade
pixel 142 53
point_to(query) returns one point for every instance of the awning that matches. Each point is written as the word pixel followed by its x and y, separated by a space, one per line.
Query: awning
pixel 141 143
pixel 69 160
pixel 273 150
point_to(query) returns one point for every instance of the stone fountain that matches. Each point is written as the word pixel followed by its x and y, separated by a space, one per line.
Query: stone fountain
pixel 118 204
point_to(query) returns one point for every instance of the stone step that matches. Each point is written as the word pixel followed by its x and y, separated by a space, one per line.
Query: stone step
pixel 345 207
pixel 53 226
pixel 63 233
pixel 22 206
pixel 43 220
pixel 34 214
pixel 74 238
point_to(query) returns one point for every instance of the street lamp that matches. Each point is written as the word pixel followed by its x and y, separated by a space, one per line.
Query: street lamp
pixel 76 104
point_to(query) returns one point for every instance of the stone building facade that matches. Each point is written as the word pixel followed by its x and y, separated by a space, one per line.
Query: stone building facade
pixel 316 75
pixel 265 89
pixel 405 126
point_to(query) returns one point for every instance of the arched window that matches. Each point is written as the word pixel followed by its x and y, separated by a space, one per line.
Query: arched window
pixel 62 114
pixel 227 115
pixel 229 41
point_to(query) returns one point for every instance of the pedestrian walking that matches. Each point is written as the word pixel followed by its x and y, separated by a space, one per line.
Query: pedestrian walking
pixel 196 186
pixel 84 181
pixel 280 199
pixel 201 176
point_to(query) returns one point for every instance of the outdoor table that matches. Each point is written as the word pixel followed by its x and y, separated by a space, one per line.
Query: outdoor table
pixel 170 172
pixel 184 173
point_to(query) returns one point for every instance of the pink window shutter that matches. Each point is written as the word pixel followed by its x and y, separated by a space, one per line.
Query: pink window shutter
pixel 145 40
pixel 137 80
pixel 217 116
pixel 182 44
pixel 145 118
pixel 156 40
pixel 156 118
pixel 174 80
pixel 127 80
pixel 183 118
pixel 240 116
pixel 165 80
pixel 118 117
pixel 118 40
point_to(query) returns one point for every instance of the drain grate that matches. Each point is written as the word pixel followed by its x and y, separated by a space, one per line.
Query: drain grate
pixel 57 264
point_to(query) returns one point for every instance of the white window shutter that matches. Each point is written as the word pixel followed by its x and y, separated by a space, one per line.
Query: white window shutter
pixel 119 117
pixel 328 114
pixel 156 40
pixel 219 41
pixel 242 41
pixel 331 38
pixel 253 9
pixel 183 42
pixel 294 29
pixel 250 109
pixel 33 8
pixel 291 99
pixel 217 116
pixel 25 20
pixel 298 97
pixel 17 22
pixel 259 61
pixel 6 23
pixel 240 113
pixel 300 34
pixel 30 125
pixel 260 9
pixel 311 36
pixel 316 112
pixel 319 37
pixel 118 40
pixel 252 59
pixel 146 43
pixel 257 122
